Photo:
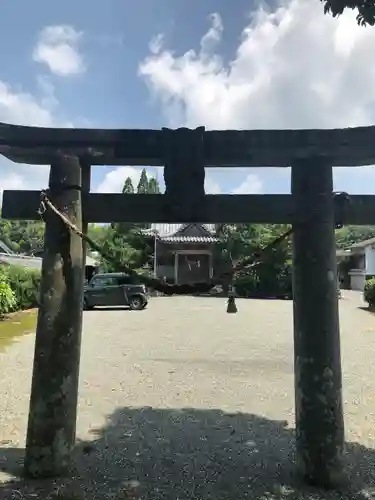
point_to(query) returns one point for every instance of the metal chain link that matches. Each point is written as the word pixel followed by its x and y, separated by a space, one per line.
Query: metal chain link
pixel 252 261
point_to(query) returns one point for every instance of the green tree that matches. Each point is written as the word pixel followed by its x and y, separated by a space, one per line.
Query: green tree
pixel 349 235
pixel 117 246
pixel 125 240
pixel 22 236
pixel 142 187
pixel 153 186
pixel 128 187
pixel 97 232
pixel 125 227
pixel 130 248
pixel 365 9
pixel 240 241
pixel 147 186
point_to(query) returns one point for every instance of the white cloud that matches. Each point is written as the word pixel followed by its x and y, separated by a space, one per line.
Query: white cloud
pixel 156 44
pixel 251 185
pixel 16 176
pixel 22 108
pixel 293 68
pixel 10 181
pixel 213 36
pixel 215 182
pixel 211 186
pixel 58 48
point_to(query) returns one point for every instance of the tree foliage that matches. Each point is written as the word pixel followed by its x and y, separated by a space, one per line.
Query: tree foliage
pixel 349 235
pixel 125 240
pixel 22 236
pixel 153 186
pixel 369 292
pixel 8 300
pixel 143 184
pixel 365 9
pixel 271 277
pixel 128 186
pixel 19 288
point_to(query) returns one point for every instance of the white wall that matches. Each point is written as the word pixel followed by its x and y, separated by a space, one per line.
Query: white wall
pixel 357 281
pixel 370 260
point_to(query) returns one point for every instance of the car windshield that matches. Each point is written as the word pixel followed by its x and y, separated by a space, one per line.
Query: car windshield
pixel 100 281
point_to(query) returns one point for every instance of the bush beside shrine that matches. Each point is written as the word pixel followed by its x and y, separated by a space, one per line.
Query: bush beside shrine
pixel 19 288
pixel 268 283
pixel 369 293
pixel 8 301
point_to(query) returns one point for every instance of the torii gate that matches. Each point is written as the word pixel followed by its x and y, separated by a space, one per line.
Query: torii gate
pixel 184 153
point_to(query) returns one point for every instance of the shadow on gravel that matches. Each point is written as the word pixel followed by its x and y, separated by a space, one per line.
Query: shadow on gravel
pixel 367 309
pixel 186 454
pixel 109 308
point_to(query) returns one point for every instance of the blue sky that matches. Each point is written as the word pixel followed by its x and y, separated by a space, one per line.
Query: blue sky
pixel 147 64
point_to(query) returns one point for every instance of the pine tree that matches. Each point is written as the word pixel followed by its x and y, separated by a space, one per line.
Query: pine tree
pixel 124 227
pixel 128 186
pixel 153 186
pixel 142 187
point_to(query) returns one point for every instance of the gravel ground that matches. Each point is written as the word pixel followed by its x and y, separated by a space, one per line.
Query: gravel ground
pixel 183 401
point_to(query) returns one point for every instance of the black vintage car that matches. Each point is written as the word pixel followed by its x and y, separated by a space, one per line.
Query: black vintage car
pixel 114 289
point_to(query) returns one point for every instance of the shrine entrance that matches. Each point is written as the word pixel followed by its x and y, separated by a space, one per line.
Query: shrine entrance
pixel 192 266
pixel 312 209
pixel 185 255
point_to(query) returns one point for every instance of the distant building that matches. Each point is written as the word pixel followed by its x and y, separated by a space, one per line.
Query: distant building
pixel 12 259
pixel 356 264
pixel 183 253
pixel 7 257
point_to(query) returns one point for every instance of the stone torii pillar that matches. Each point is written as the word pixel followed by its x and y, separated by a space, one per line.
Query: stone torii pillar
pixel 318 381
pixel 53 403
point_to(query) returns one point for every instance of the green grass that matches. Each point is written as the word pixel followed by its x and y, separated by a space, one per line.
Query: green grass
pixel 16 325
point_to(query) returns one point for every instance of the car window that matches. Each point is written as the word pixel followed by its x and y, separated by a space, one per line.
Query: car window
pixel 101 281
pixel 124 280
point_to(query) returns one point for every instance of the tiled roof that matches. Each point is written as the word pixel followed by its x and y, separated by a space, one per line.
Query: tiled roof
pixel 32 262
pixel 363 244
pixel 21 260
pixel 171 233
pixel 171 229
pixel 188 239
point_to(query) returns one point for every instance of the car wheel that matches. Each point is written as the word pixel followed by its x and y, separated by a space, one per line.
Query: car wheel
pixel 136 303
pixel 86 307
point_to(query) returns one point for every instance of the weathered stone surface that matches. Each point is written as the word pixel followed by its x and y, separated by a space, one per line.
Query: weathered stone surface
pixel 53 404
pixel 227 148
pixel 113 207
pixel 184 173
pixel 319 413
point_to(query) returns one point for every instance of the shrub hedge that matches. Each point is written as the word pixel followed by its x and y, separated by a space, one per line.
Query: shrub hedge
pixel 7 299
pixel 369 292
pixel 19 288
pixel 278 285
